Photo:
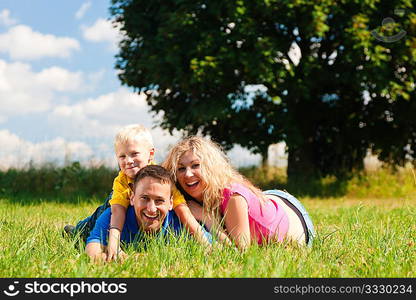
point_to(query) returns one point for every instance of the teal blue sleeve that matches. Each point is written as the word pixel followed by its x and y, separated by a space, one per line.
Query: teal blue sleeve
pixel 100 231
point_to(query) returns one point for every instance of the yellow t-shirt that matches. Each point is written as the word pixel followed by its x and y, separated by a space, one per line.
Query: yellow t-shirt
pixel 122 190
pixel 178 198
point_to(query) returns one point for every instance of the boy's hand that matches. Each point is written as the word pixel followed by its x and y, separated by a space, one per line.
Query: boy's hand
pixel 118 217
pixel 113 248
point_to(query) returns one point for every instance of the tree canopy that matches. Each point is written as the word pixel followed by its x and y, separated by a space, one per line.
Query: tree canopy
pixel 330 78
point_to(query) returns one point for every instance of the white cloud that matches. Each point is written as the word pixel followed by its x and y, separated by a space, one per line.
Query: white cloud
pixel 100 118
pixel 82 10
pixel 23 91
pixel 102 31
pixel 240 156
pixel 277 155
pixel 104 115
pixel 22 43
pixel 59 79
pixel 5 18
pixel 18 153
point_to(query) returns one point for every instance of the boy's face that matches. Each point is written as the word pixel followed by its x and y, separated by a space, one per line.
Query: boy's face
pixel 151 201
pixel 132 156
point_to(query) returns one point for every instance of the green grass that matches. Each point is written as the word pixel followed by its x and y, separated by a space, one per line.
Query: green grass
pixel 365 223
pixel 356 238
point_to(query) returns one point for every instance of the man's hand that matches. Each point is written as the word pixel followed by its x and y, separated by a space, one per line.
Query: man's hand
pixel 96 252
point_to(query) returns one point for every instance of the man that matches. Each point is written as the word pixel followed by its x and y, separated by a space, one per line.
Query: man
pixel 150 212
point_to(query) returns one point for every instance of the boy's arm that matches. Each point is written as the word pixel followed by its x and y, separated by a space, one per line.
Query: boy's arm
pixel 118 217
pixel 119 202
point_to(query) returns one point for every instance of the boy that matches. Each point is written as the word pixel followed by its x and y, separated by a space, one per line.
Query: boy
pixel 134 150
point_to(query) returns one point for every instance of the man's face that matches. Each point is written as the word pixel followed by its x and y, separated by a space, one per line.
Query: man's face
pixel 152 201
pixel 132 156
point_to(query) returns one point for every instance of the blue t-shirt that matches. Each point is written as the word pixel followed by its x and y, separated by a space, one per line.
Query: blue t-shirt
pixel 131 232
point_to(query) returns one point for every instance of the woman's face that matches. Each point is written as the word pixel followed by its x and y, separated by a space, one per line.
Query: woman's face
pixel 189 175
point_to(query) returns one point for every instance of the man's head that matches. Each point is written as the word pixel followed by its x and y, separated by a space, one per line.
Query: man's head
pixel 134 149
pixel 152 197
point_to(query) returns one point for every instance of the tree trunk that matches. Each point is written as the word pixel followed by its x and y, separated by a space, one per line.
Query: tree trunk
pixel 301 165
pixel 264 158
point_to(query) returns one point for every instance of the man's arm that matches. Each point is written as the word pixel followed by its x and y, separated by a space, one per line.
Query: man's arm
pixel 96 251
pixel 97 240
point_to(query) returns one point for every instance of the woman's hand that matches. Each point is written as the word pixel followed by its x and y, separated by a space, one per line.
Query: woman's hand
pixel 198 211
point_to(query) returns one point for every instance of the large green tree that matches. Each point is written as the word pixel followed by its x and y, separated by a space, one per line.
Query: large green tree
pixel 225 68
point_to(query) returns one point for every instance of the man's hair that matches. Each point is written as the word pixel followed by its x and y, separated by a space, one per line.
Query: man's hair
pixel 154 171
pixel 135 132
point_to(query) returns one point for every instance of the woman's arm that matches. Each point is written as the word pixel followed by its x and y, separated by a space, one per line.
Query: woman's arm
pixel 236 221
pixel 191 224
pixel 197 211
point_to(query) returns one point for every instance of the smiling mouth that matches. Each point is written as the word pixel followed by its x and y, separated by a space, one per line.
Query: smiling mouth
pixel 132 166
pixel 192 184
pixel 155 217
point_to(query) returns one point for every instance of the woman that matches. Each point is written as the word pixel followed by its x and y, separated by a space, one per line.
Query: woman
pixel 202 170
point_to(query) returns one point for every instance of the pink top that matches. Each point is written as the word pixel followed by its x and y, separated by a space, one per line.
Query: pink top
pixel 265 220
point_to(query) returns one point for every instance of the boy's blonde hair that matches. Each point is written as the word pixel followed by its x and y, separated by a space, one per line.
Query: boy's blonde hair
pixel 134 132
pixel 216 170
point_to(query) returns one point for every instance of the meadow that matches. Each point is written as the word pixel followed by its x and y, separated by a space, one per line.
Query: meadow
pixel 367 229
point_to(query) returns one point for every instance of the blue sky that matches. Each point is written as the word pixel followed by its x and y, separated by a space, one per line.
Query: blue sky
pixel 59 92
